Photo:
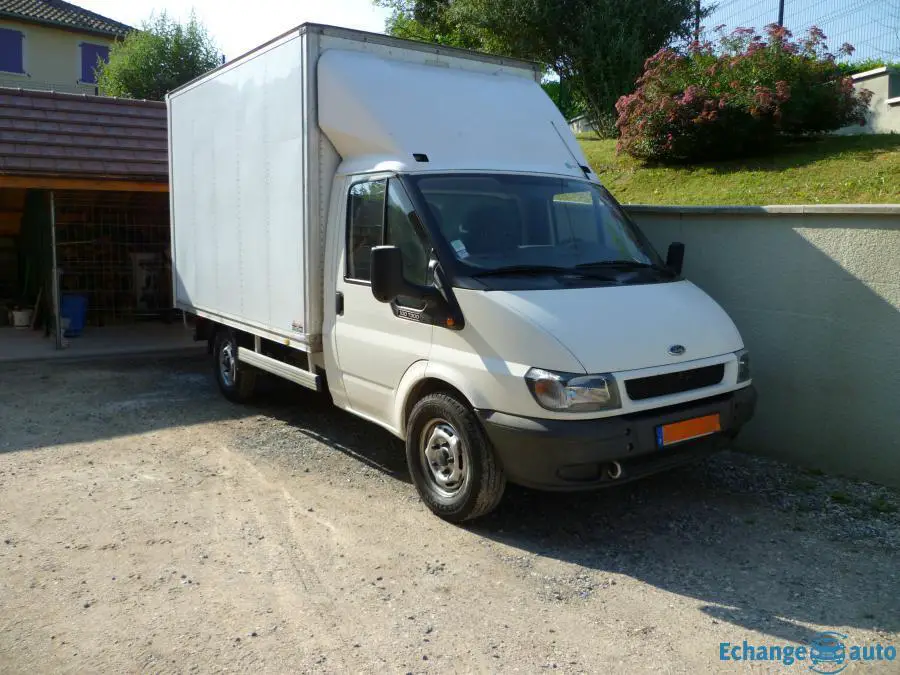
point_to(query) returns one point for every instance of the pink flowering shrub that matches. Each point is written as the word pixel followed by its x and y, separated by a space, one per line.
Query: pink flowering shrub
pixel 736 98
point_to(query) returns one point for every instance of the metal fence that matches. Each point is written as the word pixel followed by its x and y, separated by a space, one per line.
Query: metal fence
pixel 113 249
pixel 871 26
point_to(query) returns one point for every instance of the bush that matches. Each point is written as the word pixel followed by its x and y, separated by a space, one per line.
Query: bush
pixel 737 98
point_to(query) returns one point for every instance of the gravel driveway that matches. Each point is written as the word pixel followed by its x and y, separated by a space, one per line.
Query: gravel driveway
pixel 146 524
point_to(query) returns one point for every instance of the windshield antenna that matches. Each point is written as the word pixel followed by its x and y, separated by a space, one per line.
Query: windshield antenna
pixel 585 169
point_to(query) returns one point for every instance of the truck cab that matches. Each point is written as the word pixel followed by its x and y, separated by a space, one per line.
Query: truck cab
pixel 523 314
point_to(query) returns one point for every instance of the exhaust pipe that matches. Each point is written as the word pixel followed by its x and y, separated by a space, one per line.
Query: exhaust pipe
pixel 614 470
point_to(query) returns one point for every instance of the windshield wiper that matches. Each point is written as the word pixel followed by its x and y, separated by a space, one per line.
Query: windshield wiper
pixel 583 269
pixel 625 264
pixel 526 269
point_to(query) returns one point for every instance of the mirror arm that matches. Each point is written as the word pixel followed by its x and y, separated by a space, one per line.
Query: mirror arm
pixel 429 294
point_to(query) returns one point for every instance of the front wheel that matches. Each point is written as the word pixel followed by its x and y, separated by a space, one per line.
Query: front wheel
pixel 236 380
pixel 451 460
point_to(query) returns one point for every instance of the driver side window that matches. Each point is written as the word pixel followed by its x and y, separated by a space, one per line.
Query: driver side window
pixel 365 216
pixel 401 232
pixel 369 203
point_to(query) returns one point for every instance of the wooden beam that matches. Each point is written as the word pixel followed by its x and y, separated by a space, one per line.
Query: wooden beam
pixel 12 200
pixel 10 223
pixel 58 183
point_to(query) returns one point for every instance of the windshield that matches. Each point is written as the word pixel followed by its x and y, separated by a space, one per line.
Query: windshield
pixel 495 222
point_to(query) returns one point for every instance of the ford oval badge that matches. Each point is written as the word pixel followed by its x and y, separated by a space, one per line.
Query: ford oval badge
pixel 677 350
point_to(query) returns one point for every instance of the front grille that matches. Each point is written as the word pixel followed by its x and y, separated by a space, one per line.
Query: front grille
pixel 674 383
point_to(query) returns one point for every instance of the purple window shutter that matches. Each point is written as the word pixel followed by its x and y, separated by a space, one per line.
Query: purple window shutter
pixel 90 55
pixel 11 51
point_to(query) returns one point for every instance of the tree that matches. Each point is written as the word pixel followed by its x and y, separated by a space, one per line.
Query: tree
pixel 598 47
pixel 568 101
pixel 158 58
pixel 430 21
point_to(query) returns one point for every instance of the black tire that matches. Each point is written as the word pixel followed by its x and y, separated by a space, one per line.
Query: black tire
pixel 237 381
pixel 467 481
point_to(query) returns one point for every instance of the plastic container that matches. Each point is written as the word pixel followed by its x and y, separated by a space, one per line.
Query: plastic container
pixel 74 308
pixel 21 318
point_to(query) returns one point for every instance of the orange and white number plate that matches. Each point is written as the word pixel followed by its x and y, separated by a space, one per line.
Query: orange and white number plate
pixel 668 434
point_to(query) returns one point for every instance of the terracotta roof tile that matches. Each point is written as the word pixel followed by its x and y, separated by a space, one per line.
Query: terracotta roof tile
pixel 65 14
pixel 82 136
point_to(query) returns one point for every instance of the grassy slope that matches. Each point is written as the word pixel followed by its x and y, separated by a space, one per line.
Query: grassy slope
pixel 831 170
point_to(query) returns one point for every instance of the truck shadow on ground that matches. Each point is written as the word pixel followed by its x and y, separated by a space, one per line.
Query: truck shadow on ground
pixel 760 545
pixel 45 404
pixel 315 417
pixel 764 557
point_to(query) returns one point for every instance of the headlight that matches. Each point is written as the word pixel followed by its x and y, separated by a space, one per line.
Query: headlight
pixel 743 357
pixel 569 392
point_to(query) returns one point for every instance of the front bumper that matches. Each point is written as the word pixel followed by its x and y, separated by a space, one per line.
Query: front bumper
pixel 574 454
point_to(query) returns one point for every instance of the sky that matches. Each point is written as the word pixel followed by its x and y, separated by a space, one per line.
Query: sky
pixel 239 26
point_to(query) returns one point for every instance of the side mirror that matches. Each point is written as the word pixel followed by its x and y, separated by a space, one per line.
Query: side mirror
pixel 675 257
pixel 387 273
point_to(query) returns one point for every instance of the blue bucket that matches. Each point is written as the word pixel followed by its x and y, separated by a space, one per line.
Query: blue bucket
pixel 74 308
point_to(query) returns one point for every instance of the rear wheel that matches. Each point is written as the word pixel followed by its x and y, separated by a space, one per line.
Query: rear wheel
pixel 237 381
pixel 451 461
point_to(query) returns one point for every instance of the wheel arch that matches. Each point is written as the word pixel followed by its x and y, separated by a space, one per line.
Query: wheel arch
pixel 242 338
pixel 420 380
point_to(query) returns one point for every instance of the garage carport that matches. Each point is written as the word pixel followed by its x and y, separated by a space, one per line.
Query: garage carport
pixel 84 226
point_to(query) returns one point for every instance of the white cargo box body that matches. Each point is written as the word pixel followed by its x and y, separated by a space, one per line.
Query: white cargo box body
pixel 251 174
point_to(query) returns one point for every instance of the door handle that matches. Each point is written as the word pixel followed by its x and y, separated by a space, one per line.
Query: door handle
pixel 339 303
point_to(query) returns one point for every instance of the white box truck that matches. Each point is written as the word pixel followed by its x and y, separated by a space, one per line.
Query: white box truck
pixel 415 229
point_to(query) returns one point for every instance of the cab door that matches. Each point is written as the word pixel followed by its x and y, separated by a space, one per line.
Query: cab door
pixel 374 343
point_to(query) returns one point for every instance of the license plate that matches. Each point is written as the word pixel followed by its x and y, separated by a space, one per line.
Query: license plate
pixel 668 434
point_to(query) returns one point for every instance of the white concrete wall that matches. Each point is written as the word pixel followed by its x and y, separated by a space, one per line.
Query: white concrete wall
pixel 884 108
pixel 815 292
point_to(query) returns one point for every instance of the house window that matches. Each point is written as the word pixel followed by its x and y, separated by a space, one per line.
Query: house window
pixel 91 55
pixel 11 51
